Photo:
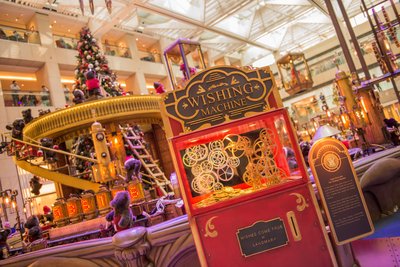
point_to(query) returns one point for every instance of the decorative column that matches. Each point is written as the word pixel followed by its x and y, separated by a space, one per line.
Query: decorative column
pixel 49 75
pixel 139 82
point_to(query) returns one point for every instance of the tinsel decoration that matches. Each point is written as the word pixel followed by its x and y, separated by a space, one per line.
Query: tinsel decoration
pixel 82 6
pixel 109 5
pixel 391 29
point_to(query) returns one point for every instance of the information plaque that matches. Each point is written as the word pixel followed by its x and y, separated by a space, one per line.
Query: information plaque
pixel 340 191
pixel 262 236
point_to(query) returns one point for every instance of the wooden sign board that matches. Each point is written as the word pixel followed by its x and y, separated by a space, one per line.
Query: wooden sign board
pixel 340 191
pixel 217 95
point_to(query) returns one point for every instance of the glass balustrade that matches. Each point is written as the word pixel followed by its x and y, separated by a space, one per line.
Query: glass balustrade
pixel 19 35
pixel 116 51
pixel 26 98
pixel 149 56
pixel 65 42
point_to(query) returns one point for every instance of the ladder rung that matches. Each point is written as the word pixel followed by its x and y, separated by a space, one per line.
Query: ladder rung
pixel 133 137
pixel 137 147
pixel 145 156
pixel 151 165
pixel 159 174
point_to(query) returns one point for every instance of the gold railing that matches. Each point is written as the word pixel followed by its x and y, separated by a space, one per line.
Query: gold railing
pixel 61 122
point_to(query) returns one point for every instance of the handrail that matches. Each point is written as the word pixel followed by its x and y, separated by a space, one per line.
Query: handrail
pixel 65 120
pixel 53 150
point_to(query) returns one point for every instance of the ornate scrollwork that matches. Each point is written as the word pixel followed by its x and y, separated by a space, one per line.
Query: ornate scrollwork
pixel 301 201
pixel 210 228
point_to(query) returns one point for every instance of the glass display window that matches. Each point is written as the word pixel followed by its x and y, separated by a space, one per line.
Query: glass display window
pixel 239 159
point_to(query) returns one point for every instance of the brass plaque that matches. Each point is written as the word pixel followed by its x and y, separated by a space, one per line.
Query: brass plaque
pixel 340 191
pixel 262 236
pixel 218 95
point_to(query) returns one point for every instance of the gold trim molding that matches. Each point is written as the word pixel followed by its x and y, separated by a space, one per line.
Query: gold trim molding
pixel 68 120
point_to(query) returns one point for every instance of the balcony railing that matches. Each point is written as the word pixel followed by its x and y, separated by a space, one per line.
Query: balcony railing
pixel 149 56
pixel 65 42
pixel 60 122
pixel 26 98
pixel 116 51
pixel 19 35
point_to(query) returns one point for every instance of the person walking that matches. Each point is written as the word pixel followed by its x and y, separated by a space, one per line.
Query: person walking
pixel 45 96
pixel 15 93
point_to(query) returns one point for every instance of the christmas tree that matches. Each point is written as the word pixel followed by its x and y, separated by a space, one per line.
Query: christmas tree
pixel 90 59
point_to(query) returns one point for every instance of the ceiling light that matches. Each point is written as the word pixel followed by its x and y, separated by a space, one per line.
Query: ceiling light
pixel 16 19
pixel 51 26
pixel 55 21
pixel 67 81
pixel 18 78
pixel 137 39
pixel 69 30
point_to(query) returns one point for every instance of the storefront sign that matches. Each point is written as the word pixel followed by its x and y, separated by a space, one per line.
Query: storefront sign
pixel 262 236
pixel 219 95
pixel 340 191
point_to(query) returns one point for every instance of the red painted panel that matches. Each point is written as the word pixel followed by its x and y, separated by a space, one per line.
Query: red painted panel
pixel 224 249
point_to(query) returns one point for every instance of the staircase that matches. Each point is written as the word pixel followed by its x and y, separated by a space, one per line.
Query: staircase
pixel 25 156
pixel 137 145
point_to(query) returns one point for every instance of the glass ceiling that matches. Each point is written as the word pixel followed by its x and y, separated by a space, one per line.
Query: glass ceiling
pixel 251 28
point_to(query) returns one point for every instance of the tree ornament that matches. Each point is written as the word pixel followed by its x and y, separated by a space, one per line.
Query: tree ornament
pixel 90 66
pixel 88 57
pixel 97 68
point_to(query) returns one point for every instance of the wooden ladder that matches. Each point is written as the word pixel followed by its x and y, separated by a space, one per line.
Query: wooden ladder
pixel 135 142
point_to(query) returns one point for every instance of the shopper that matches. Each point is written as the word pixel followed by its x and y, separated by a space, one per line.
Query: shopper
pixel 45 96
pixel 392 126
pixel 66 93
pixel 15 93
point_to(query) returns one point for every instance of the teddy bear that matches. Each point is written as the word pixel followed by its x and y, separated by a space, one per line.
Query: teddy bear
pixel 16 128
pixel 93 84
pixel 32 229
pixel 121 215
pixel 35 185
pixel 49 156
pixel 132 166
pixel 27 115
pixel 159 87
pixel 79 96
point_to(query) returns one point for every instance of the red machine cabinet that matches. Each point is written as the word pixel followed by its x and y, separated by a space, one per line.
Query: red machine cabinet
pixel 249 199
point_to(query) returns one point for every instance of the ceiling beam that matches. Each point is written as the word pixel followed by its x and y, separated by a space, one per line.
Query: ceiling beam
pixel 198 24
pixel 99 29
pixel 228 12
pixel 320 7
